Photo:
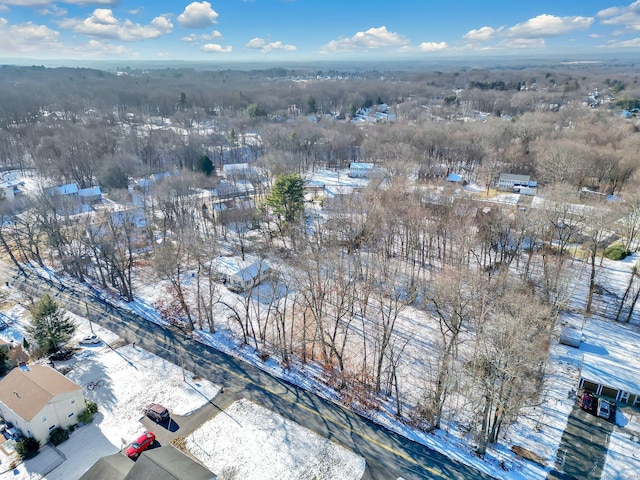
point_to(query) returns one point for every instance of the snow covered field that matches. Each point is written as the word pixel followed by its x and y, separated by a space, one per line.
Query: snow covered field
pixel 252 443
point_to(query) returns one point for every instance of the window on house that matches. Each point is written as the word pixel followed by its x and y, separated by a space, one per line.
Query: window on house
pixel 52 427
pixel 70 415
pixel 44 418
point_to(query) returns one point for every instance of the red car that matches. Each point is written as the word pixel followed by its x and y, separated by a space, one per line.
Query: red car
pixel 588 402
pixel 140 445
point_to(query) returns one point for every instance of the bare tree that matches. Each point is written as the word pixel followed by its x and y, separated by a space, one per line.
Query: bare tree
pixel 506 370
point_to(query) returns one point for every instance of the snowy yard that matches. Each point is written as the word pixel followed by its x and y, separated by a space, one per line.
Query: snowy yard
pixel 253 443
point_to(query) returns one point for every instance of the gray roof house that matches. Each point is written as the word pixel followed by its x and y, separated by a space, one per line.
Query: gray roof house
pixel 164 463
pixel 612 377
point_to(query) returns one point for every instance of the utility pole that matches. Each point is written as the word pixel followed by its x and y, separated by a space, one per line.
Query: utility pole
pixel 86 305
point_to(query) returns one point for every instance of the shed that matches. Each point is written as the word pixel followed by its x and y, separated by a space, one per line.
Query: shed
pixel 570 336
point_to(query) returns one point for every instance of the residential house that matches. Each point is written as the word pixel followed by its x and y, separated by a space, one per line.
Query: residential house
pixel 241 275
pixel 164 463
pixel 334 195
pixel 70 189
pixel 90 195
pixel 517 183
pixel 611 377
pixel 10 185
pixel 236 171
pixel 364 170
pixel 455 178
pixel 36 399
pixel 110 224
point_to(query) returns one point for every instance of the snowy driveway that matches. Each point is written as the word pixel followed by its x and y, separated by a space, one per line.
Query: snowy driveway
pixel 583 448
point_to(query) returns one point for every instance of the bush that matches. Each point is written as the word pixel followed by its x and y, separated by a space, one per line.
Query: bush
pixel 92 406
pixel 27 447
pixel 85 416
pixel 616 252
pixel 58 435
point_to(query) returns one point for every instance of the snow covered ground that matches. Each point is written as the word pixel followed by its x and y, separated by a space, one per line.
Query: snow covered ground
pixel 123 380
pixel 253 443
pixel 539 430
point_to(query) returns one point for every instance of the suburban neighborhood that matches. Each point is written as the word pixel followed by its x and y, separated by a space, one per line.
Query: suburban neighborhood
pixel 352 271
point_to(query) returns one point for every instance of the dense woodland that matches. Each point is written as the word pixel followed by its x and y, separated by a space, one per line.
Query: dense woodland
pixel 490 278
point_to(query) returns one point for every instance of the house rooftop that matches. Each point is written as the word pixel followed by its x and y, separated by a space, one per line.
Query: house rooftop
pixel 245 269
pixel 26 392
pixel 611 371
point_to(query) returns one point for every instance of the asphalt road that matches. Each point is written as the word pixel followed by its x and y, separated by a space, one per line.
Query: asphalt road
pixel 388 455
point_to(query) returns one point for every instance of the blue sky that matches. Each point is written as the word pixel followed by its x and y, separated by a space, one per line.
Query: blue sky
pixel 308 30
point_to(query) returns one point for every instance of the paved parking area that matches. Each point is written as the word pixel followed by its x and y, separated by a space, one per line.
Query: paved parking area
pixel 583 448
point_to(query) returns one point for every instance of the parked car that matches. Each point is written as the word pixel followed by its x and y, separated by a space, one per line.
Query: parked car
pixel 140 445
pixel 61 355
pixel 90 340
pixel 604 409
pixel 156 412
pixel 588 402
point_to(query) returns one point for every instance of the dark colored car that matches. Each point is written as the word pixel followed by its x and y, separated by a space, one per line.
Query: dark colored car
pixel 588 402
pixel 156 412
pixel 140 445
pixel 61 355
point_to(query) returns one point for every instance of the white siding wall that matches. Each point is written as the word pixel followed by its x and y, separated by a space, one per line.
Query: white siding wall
pixel 62 411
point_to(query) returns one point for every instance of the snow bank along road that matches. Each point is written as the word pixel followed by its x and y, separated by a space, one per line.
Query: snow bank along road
pixel 387 454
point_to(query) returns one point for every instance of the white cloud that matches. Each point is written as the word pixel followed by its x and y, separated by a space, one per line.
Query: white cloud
pixel 482 34
pixel 103 24
pixel 53 10
pixel 432 46
pixel 26 33
pixel 548 26
pixel 373 38
pixel 215 48
pixel 264 46
pixel 202 38
pixel 197 15
pixel 521 43
pixel 628 17
pixel 98 48
pixel 528 34
pixel 31 39
pixel 632 43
